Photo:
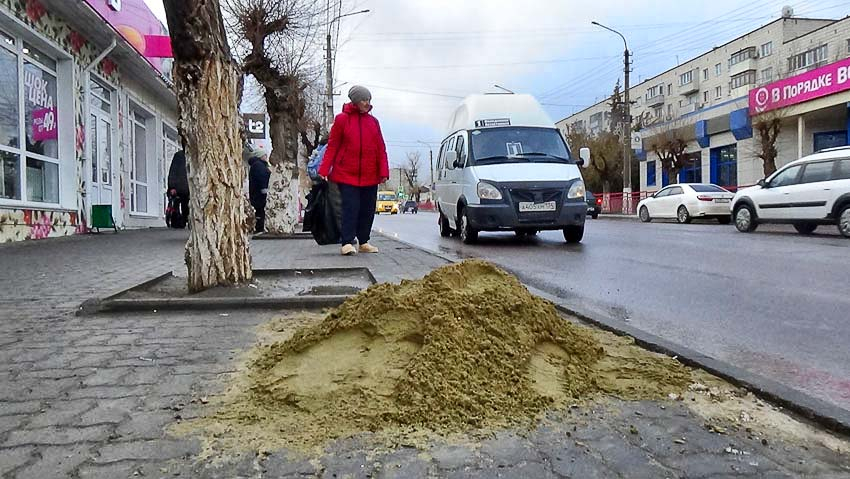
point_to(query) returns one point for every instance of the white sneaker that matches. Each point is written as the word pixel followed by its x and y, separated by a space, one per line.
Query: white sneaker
pixel 367 248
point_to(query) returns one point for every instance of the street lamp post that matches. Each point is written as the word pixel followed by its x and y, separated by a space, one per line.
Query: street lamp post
pixel 329 71
pixel 627 127
pixel 431 169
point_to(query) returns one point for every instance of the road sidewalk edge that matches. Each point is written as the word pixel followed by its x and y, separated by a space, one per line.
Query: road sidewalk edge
pixel 816 410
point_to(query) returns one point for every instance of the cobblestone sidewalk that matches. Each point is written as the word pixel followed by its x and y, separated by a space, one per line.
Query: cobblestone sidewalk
pixel 91 396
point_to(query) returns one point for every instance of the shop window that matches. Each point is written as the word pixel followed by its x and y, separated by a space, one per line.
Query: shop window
pixel 830 139
pixel 650 173
pixel 724 165
pixel 28 79
pixel 692 171
pixel 139 166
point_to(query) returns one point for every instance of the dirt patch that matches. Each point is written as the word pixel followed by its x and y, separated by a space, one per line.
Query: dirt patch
pixel 467 347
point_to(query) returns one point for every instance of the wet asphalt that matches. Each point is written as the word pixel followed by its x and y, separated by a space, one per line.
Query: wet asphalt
pixel 773 302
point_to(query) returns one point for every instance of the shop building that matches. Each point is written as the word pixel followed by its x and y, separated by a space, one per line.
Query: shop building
pixel 710 103
pixel 87 120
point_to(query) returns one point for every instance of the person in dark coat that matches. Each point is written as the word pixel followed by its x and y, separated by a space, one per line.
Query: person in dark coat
pixel 258 188
pixel 178 190
pixel 356 161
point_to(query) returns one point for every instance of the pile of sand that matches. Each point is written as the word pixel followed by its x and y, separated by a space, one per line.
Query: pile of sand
pixel 465 347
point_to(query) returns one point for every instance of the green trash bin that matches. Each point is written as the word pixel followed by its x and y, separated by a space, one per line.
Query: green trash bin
pixel 101 217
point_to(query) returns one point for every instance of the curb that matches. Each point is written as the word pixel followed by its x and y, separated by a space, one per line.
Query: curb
pixel 617 217
pixel 96 306
pixel 269 236
pixel 816 410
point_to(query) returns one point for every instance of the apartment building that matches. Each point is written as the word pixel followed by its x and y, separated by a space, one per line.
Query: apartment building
pixel 711 102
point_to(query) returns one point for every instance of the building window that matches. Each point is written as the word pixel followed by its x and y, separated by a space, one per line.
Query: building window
pixel 655 91
pixel 742 55
pixel 650 173
pixel 767 75
pixel 809 58
pixel 28 111
pixel 718 93
pixel 743 79
pixel 705 97
pixel 658 112
pixel 767 49
pixel 669 89
pixel 139 164
pixel 670 110
pixel 724 165
pixel 686 78
pixel 718 69
pixel 692 171
pixel 705 74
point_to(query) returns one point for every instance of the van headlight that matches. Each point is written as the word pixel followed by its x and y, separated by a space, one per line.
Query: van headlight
pixel 486 191
pixel 576 190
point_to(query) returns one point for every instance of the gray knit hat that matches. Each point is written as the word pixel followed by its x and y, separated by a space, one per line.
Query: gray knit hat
pixel 359 93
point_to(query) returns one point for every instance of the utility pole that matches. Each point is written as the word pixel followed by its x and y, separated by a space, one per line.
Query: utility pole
pixel 627 127
pixel 329 82
pixel 329 71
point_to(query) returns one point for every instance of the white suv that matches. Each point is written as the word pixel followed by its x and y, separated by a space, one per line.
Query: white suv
pixel 811 191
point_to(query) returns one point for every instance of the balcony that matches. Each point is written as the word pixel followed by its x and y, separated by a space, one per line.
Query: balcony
pixel 742 66
pixel 691 87
pixel 691 108
pixel 655 101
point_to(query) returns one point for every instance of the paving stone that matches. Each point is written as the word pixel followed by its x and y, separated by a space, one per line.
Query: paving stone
pixel 37 389
pixel 144 376
pixel 448 457
pixel 57 435
pixel 508 449
pixel 353 465
pixel 121 470
pixel 108 392
pixel 280 464
pixel 105 377
pixel 22 407
pixel 55 462
pixel 11 459
pixel 156 450
pixel 10 423
pixel 61 413
pixel 110 411
pixel 145 425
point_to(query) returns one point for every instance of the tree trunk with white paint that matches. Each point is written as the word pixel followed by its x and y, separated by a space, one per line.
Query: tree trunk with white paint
pixel 207 84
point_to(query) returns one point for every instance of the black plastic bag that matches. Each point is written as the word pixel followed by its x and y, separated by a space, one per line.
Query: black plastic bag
pixel 322 215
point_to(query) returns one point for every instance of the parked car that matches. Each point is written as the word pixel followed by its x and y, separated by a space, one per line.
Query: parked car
pixel 812 191
pixel 594 205
pixel 687 201
pixel 410 206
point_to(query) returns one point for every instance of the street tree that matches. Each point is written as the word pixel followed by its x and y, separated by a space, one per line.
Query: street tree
pixel 276 41
pixel 411 172
pixel 672 150
pixel 606 159
pixel 207 84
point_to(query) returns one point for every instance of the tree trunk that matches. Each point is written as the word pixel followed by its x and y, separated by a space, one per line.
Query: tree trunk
pixel 207 84
pixel 282 201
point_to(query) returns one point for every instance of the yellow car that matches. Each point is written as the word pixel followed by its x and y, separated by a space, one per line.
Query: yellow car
pixel 387 203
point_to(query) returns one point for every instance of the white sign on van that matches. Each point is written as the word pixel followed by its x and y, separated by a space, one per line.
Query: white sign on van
pixel 514 149
pixel 493 122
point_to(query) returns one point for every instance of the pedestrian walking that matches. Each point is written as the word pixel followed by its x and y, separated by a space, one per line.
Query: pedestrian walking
pixel 356 161
pixel 258 188
pixel 178 191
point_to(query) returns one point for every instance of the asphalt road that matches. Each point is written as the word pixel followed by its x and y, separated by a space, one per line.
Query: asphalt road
pixel 774 302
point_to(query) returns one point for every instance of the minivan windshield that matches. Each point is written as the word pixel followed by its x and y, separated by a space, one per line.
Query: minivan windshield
pixel 518 145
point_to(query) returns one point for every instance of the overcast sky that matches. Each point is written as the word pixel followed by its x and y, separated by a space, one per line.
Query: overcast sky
pixel 421 57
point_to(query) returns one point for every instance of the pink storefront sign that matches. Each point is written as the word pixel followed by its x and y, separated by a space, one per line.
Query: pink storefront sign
pixel 821 82
pixel 44 124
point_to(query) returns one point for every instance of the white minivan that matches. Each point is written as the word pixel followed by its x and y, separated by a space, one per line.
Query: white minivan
pixel 505 167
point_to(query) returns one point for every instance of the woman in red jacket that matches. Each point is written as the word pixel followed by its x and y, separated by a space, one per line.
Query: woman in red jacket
pixel 356 160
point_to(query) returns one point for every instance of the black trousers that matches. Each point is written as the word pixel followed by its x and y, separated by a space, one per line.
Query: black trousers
pixel 259 204
pixel 358 212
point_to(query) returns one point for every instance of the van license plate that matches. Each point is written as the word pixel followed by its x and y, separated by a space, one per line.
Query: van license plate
pixel 528 207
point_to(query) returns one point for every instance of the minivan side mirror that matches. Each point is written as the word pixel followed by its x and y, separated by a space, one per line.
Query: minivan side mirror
pixel 451 159
pixel 762 183
pixel 584 156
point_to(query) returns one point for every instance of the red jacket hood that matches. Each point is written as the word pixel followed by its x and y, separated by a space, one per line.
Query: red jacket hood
pixel 352 109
